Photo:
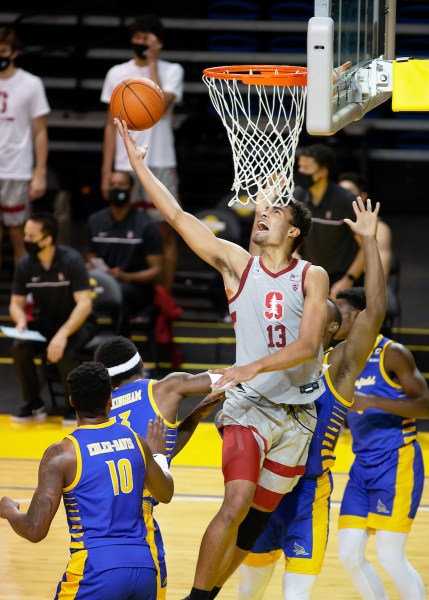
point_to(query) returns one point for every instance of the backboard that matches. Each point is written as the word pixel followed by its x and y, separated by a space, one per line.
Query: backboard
pixel 350 46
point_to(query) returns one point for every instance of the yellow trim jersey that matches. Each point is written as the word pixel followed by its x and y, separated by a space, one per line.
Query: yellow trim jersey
pixel 133 405
pixel 374 431
pixel 331 409
pixel 103 503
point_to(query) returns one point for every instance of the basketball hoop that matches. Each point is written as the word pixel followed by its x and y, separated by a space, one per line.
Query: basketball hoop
pixel 262 109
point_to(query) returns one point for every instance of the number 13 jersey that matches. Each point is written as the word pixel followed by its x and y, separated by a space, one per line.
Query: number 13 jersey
pixel 266 312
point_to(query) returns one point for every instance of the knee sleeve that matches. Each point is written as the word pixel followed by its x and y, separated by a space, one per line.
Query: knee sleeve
pixel 251 528
pixel 351 546
pixel 298 586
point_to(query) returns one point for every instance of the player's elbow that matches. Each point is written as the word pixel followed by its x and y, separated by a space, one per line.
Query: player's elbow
pixel 36 536
pixel 166 494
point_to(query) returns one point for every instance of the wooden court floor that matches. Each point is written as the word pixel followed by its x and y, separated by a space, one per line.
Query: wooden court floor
pixel 31 572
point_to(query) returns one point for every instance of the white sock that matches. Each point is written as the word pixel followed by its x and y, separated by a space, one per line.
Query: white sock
pixel 351 552
pixel 391 554
pixel 253 581
pixel 297 586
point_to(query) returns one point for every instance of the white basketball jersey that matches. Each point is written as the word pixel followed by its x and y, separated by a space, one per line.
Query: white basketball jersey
pixel 266 313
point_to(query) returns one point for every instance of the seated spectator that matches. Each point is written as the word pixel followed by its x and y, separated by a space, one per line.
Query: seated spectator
pixel 357 184
pixel 331 243
pixel 57 279
pixel 126 243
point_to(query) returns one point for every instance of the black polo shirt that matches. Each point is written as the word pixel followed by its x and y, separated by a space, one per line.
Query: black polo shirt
pixel 125 243
pixel 52 289
pixel 331 243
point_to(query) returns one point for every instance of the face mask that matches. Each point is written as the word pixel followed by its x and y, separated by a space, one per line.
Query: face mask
pixel 119 197
pixel 4 62
pixel 140 49
pixel 33 248
pixel 303 180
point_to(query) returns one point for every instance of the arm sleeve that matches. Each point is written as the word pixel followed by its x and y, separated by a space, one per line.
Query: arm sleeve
pixel 152 239
pixel 20 279
pixel 173 82
pixel 78 273
pixel 39 104
pixel 108 87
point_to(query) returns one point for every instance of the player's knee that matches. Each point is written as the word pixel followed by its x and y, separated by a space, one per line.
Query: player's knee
pixel 235 509
pixel 251 528
pixel 347 553
pixel 390 557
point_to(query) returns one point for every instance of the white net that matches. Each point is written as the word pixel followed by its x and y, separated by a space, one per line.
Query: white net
pixel 263 123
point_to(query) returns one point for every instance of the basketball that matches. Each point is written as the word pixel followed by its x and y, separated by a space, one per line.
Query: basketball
pixel 139 102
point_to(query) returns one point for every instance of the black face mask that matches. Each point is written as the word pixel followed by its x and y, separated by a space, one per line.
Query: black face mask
pixel 140 49
pixel 303 180
pixel 33 248
pixel 4 62
pixel 119 197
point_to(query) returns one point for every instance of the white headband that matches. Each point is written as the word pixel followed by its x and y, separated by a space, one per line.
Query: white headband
pixel 125 366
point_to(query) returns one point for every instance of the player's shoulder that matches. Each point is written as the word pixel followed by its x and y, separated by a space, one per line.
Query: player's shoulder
pixel 395 349
pixel 315 272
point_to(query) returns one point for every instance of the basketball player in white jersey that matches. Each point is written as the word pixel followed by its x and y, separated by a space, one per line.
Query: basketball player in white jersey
pixel 278 307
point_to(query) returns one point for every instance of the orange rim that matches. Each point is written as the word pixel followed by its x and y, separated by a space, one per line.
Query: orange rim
pixel 261 74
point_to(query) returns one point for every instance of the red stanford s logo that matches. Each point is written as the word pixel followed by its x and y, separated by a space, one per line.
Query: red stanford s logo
pixel 274 306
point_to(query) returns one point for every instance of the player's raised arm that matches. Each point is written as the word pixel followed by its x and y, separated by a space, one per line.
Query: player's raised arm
pixel 362 336
pixel 221 254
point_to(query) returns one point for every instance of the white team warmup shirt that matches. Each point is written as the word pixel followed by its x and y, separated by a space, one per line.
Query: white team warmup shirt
pixel 22 99
pixel 159 138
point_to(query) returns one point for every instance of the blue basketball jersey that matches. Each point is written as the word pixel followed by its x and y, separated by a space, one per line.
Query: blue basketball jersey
pixel 331 411
pixel 375 431
pixel 103 503
pixel 133 405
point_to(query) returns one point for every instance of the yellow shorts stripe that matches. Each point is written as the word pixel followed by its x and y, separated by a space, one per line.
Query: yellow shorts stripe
pixel 352 522
pixel 161 592
pixel 399 520
pixel 320 526
pixel 262 560
pixel 73 576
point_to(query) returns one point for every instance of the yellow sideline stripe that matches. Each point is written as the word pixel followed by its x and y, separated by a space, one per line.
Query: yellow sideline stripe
pixel 30 440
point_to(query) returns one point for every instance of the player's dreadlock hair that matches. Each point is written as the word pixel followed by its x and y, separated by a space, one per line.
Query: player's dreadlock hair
pixel 117 351
pixel 355 297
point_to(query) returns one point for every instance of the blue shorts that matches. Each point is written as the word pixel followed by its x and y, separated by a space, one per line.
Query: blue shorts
pixel 385 496
pixel 299 527
pixel 100 574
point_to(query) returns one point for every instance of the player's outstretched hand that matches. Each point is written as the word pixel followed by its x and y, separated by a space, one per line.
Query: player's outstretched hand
pixel 156 435
pixel 232 376
pixel 135 152
pixel 366 218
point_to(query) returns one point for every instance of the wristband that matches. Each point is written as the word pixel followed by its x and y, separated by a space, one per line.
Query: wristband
pixel 161 460
pixel 351 277
pixel 214 377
